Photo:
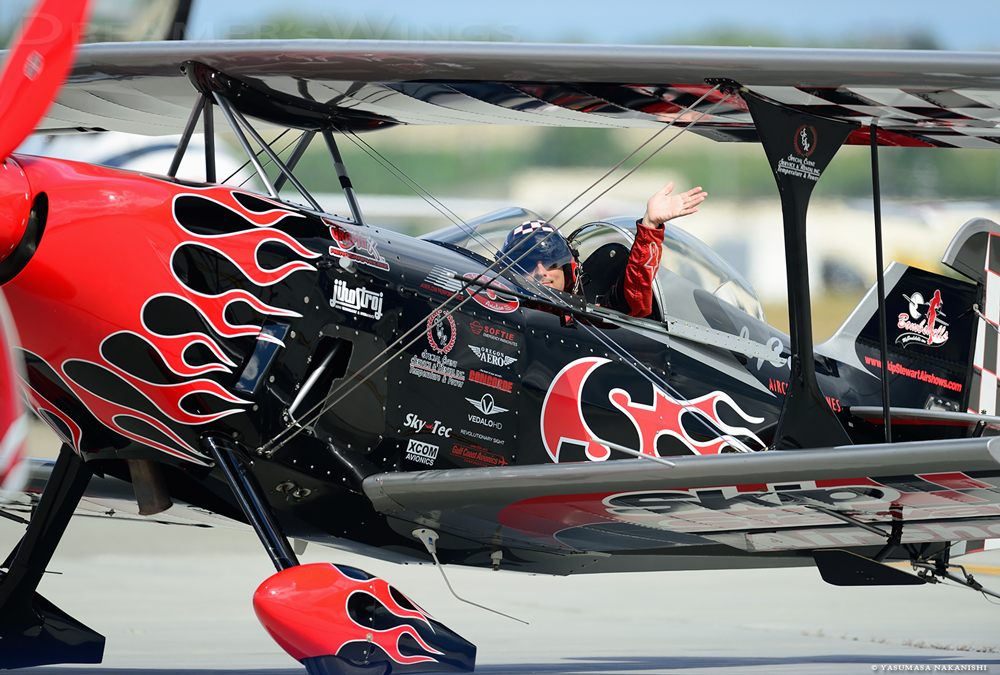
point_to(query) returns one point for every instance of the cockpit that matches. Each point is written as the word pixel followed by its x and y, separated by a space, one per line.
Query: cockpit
pixel 687 263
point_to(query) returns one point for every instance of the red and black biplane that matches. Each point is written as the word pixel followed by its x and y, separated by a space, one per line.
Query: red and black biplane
pixel 244 354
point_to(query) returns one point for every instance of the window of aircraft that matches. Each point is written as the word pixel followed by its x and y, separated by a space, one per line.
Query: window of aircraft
pixel 684 254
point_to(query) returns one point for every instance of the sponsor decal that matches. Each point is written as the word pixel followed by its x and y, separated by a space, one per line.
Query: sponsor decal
pixel 479 436
pixel 476 455
pixel 563 422
pixel 922 326
pixel 805 140
pixel 778 509
pixel 433 427
pixel 492 333
pixel 357 301
pixel 418 451
pixel 491 381
pixel 488 298
pixel 798 163
pixel 915 373
pixel 351 243
pixel 486 405
pixel 438 281
pixel 441 332
pixel 437 368
pixel 492 356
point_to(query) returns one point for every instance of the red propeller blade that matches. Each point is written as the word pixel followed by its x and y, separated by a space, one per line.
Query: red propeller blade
pixel 36 66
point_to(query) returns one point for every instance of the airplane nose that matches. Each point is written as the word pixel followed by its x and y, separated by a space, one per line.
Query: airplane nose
pixel 15 206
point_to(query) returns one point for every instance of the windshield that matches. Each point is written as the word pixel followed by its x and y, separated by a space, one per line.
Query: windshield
pixel 683 254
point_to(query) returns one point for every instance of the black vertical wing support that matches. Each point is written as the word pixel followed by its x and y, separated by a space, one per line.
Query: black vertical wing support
pixel 251 499
pixel 799 146
pixel 33 631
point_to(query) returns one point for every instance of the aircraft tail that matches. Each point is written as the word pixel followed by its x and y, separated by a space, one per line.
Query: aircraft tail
pixel 942 332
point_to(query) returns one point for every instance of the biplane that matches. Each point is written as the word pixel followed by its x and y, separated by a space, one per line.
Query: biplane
pixel 206 351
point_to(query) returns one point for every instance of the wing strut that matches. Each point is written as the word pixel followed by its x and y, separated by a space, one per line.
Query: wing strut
pixel 345 180
pixel 192 122
pixel 799 146
pixel 883 346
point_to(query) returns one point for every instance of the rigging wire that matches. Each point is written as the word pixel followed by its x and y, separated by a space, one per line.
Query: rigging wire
pixel 417 189
pixel 325 404
pixel 257 155
pixel 322 404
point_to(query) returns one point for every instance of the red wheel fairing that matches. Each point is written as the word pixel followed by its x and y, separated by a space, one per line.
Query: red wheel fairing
pixel 337 614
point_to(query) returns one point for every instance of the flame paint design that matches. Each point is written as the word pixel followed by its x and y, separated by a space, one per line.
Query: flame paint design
pixel 104 267
pixel 308 610
pixel 388 640
pixel 664 418
pixel 562 417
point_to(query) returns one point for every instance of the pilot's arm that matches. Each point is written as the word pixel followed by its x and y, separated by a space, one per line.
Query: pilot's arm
pixel 633 292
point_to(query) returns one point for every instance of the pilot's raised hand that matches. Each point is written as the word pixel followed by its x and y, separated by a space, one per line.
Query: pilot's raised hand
pixel 663 206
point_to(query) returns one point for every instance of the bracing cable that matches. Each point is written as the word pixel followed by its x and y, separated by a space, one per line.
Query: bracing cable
pixel 325 404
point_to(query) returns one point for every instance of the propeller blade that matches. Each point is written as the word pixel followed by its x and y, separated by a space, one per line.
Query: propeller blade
pixel 36 66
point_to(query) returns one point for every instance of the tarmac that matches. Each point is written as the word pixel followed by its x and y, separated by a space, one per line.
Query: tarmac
pixel 177 599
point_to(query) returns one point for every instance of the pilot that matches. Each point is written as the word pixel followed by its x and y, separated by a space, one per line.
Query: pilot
pixel 548 258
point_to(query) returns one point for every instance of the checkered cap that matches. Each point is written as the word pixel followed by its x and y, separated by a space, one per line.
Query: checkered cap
pixel 529 226
pixel 533 242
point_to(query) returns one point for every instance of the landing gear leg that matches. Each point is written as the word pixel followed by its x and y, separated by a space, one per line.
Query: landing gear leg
pixel 252 500
pixel 33 631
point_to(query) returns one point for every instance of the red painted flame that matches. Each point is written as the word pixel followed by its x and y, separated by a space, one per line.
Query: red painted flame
pixel 562 417
pixel 305 610
pixel 109 244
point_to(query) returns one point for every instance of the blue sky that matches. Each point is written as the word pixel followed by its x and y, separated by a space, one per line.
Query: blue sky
pixel 955 25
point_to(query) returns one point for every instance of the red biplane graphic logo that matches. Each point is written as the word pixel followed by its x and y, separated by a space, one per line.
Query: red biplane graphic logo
pixel 352 244
pixel 562 419
pixel 488 298
pixel 922 327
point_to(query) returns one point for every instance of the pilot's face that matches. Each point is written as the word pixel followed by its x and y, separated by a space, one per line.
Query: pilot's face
pixel 550 276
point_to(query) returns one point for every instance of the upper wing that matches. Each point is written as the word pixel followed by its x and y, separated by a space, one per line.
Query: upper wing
pixel 637 515
pixel 920 98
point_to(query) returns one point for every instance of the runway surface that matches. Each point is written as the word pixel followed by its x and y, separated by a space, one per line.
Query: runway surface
pixel 174 599
pixel 177 599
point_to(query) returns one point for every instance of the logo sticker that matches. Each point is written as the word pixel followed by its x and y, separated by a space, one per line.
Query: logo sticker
pixel 488 298
pixel 492 333
pixel 805 140
pixel 492 356
pixel 434 427
pixel 354 245
pixel 357 301
pixel 476 455
pixel 438 281
pixel 424 453
pixel 437 368
pixel 922 324
pixel 491 381
pixel 441 332
pixel 486 405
